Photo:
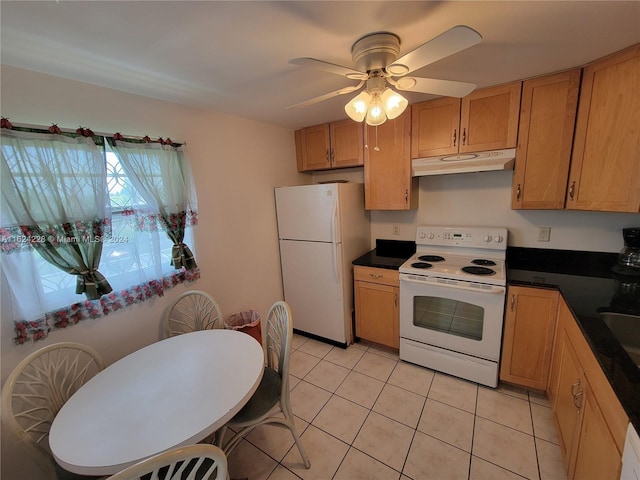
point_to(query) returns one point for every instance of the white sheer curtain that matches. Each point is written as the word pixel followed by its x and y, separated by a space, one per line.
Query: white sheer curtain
pixel 162 176
pixel 54 199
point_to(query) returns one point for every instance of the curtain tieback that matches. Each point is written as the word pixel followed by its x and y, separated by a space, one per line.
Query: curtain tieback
pixel 92 283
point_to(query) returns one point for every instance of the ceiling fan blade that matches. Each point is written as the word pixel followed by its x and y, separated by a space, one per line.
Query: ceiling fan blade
pixel 452 41
pixel 327 96
pixel 446 88
pixel 328 67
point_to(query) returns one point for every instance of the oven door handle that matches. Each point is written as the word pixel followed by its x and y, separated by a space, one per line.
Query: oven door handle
pixel 491 289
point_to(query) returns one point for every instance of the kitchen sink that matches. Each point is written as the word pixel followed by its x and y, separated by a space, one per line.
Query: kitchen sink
pixel 626 329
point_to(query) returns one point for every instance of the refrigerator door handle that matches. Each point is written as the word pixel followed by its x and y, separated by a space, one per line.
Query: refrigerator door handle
pixel 334 222
pixel 336 269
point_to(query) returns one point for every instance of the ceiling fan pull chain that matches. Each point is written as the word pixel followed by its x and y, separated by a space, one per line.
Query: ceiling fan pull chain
pixel 376 148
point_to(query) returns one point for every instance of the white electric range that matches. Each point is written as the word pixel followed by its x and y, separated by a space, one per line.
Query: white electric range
pixel 452 294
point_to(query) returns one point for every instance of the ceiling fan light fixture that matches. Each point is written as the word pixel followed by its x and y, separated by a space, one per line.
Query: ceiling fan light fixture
pixel 376 114
pixel 393 103
pixel 358 106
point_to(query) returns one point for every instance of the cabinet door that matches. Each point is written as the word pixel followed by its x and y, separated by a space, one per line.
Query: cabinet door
pixel 347 144
pixel 528 336
pixel 489 118
pixel 315 148
pixel 377 313
pixel 605 165
pixel 568 400
pixel 387 166
pixel 545 137
pixel 597 456
pixel 435 127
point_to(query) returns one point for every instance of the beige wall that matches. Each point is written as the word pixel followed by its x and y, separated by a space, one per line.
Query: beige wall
pixel 236 164
pixel 484 199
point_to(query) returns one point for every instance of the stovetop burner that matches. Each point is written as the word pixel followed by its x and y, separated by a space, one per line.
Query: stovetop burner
pixel 473 270
pixel 431 258
pixel 461 254
pixel 484 262
pixel 421 265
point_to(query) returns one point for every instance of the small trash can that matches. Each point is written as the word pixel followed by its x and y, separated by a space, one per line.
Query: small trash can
pixel 247 321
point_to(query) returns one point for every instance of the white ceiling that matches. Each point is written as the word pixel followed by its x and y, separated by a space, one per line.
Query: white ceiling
pixel 233 56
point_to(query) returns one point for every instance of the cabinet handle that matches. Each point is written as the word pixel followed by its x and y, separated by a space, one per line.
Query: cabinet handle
pixel 455 136
pixel 375 275
pixel 326 154
pixel 576 401
pixel 333 155
pixel 572 190
pixel 395 299
pixel 513 301
pixel 464 136
pixel 406 195
pixel 574 386
pixel 518 192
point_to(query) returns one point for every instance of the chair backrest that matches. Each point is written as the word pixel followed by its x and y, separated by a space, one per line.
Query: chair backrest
pixel 193 310
pixel 276 339
pixel 200 461
pixel 41 384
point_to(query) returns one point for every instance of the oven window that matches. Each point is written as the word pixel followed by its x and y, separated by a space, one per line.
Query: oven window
pixel 448 316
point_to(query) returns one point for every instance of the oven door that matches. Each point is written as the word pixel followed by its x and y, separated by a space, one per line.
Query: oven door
pixel 464 317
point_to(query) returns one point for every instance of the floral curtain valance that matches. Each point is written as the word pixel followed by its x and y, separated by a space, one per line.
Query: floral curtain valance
pixel 162 175
pixel 54 199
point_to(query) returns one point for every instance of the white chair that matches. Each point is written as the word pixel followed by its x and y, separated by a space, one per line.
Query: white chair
pixel 193 310
pixel 270 404
pixel 200 461
pixel 36 390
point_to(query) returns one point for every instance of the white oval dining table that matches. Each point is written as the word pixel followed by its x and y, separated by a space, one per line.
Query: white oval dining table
pixel 171 393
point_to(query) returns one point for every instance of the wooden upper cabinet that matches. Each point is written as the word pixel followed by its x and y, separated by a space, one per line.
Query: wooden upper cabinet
pixel 486 119
pixel 388 184
pixel 435 127
pixel 489 118
pixel 347 144
pixel 605 164
pixel 529 327
pixel 545 137
pixel 331 145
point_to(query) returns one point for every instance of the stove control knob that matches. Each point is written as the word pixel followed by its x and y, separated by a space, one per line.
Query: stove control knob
pixel 487 238
pixel 422 235
pixel 498 239
pixel 431 236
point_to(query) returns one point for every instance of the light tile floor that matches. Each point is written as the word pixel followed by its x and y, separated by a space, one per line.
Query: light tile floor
pixel 364 414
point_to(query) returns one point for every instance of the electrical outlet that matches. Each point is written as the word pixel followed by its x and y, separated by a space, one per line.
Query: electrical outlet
pixel 544 234
pixel 396 229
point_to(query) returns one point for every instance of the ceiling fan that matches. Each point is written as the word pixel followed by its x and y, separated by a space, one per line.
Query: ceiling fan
pixel 377 64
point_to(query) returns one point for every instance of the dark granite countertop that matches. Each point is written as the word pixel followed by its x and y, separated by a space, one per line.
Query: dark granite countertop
pixel 388 254
pixel 590 287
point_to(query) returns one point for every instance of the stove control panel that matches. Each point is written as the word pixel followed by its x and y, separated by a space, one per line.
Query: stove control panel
pixel 494 238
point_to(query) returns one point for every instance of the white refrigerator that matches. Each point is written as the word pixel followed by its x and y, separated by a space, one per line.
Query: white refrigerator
pixel 322 228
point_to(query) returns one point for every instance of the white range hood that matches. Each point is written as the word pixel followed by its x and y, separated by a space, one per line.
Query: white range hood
pixel 463 163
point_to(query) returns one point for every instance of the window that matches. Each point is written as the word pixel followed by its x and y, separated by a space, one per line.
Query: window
pixel 136 261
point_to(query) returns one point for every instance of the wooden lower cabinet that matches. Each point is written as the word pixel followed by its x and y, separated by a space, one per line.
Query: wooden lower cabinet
pixel 529 326
pixel 570 394
pixel 597 456
pixel 376 302
pixel 590 420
